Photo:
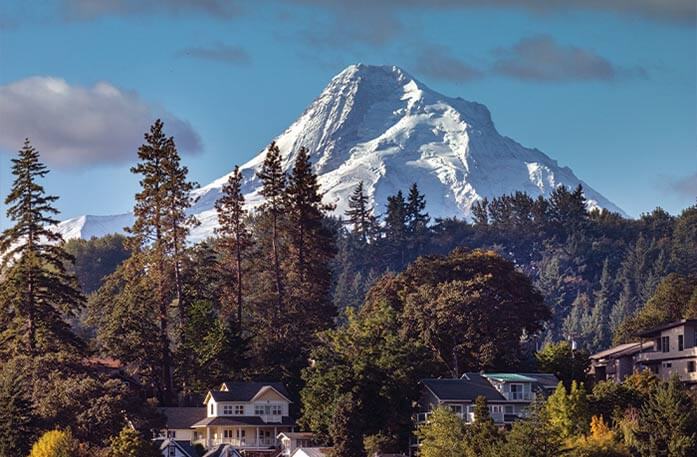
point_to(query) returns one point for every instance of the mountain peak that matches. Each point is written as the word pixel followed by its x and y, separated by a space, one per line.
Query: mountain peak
pixel 381 126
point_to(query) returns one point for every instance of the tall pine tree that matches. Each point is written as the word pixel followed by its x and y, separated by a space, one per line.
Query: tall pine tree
pixel 273 181
pixel 36 291
pixel 234 237
pixel 360 214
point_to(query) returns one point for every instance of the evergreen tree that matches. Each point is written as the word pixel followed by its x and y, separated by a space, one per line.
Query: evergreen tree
pixel 360 214
pixel 176 222
pixel 416 217
pixel 17 422
pixel 234 237
pixel 273 190
pixel 395 230
pixel 482 437
pixel 158 236
pixel 601 310
pixel 443 435
pixel 129 443
pixel 568 412
pixel 346 429
pixel 668 422
pixel 36 291
pixel 533 436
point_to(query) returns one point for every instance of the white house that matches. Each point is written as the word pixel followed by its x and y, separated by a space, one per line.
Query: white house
pixel 311 452
pixel 290 441
pixel 246 415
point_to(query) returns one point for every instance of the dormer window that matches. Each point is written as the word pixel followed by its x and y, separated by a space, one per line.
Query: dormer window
pixel 212 409
pixel 516 391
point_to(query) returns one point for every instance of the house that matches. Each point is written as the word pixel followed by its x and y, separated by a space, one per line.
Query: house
pixel 616 363
pixel 175 448
pixel 673 352
pixel 311 452
pixel 508 395
pixel 290 441
pixel 246 415
pixel 223 450
pixel 178 422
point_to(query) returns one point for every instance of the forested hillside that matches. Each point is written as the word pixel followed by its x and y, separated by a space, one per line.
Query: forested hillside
pixel 349 313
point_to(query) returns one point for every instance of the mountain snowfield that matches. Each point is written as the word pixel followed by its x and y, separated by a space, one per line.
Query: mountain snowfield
pixel 379 125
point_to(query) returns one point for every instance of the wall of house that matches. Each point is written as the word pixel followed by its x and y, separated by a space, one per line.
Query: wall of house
pixel 246 436
pixel 182 434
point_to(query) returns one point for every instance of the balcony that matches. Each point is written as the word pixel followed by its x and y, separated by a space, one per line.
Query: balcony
pixel 244 442
pixel 655 356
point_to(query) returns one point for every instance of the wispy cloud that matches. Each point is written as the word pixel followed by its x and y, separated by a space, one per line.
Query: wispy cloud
pixel 91 9
pixel 218 52
pixel 685 186
pixel 77 126
pixel 438 63
pixel 541 58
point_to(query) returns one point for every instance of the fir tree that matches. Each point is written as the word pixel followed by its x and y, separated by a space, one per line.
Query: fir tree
pixel 395 230
pixel 273 190
pixel 17 421
pixel 360 214
pixel 149 236
pixel 235 238
pixel 177 224
pixel 36 290
pixel 346 429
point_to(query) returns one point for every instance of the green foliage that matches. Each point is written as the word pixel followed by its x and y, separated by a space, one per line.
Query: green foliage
pixel 129 443
pixel 668 422
pixel 482 437
pixel 533 436
pixel 443 435
pixel 36 291
pixel 675 298
pixel 17 422
pixel 96 258
pixel 346 429
pixel 600 443
pixel 55 443
pixel 380 443
pixel 567 364
pixel 371 359
pixel 568 412
pixel 470 309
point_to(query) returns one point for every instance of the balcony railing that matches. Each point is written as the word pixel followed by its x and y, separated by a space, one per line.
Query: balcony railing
pixel 244 442
pixel 658 355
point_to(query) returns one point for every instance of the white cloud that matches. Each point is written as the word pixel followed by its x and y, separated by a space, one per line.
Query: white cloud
pixel 76 126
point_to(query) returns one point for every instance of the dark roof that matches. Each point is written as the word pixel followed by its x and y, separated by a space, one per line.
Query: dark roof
pixel 182 417
pixel 239 420
pixel 245 391
pixel 546 380
pixel 467 388
pixel 184 446
pixel 223 450
pixel 653 331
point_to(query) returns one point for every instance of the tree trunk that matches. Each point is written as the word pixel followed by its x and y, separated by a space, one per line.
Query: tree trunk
pixel 238 255
pixel 276 263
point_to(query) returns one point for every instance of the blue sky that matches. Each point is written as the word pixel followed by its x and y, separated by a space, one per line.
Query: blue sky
pixel 608 90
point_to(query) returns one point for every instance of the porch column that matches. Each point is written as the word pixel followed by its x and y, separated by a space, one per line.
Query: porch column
pixel 208 437
pixel 275 434
pixel 258 445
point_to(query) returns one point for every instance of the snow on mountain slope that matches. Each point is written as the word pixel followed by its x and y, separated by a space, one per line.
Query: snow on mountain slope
pixel 89 226
pixel 379 125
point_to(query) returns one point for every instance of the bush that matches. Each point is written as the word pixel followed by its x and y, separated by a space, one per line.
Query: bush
pixel 56 443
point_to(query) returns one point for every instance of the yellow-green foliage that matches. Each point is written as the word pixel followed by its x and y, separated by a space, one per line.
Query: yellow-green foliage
pixel 56 443
pixel 443 435
pixel 601 442
pixel 568 412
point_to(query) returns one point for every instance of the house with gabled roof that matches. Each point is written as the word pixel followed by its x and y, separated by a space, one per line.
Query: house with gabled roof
pixel 247 415
pixel 508 395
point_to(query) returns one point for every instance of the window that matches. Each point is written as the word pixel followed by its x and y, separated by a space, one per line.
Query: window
pixel 665 343
pixel 495 408
pixel 227 410
pixel 681 342
pixel 268 410
pixel 658 344
pixel 212 406
pixel 668 365
pixel 227 433
pixel 516 391
pixel 171 434
pixel 691 366
pixel 172 451
pixel 457 409
pixel 508 409
pixel 239 410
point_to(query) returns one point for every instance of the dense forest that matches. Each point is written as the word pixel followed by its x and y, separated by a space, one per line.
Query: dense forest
pixel 350 312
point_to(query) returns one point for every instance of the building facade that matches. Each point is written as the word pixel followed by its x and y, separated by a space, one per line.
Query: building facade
pixel 673 351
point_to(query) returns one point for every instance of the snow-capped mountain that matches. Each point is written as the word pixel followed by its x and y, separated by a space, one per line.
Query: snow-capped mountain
pixel 379 125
